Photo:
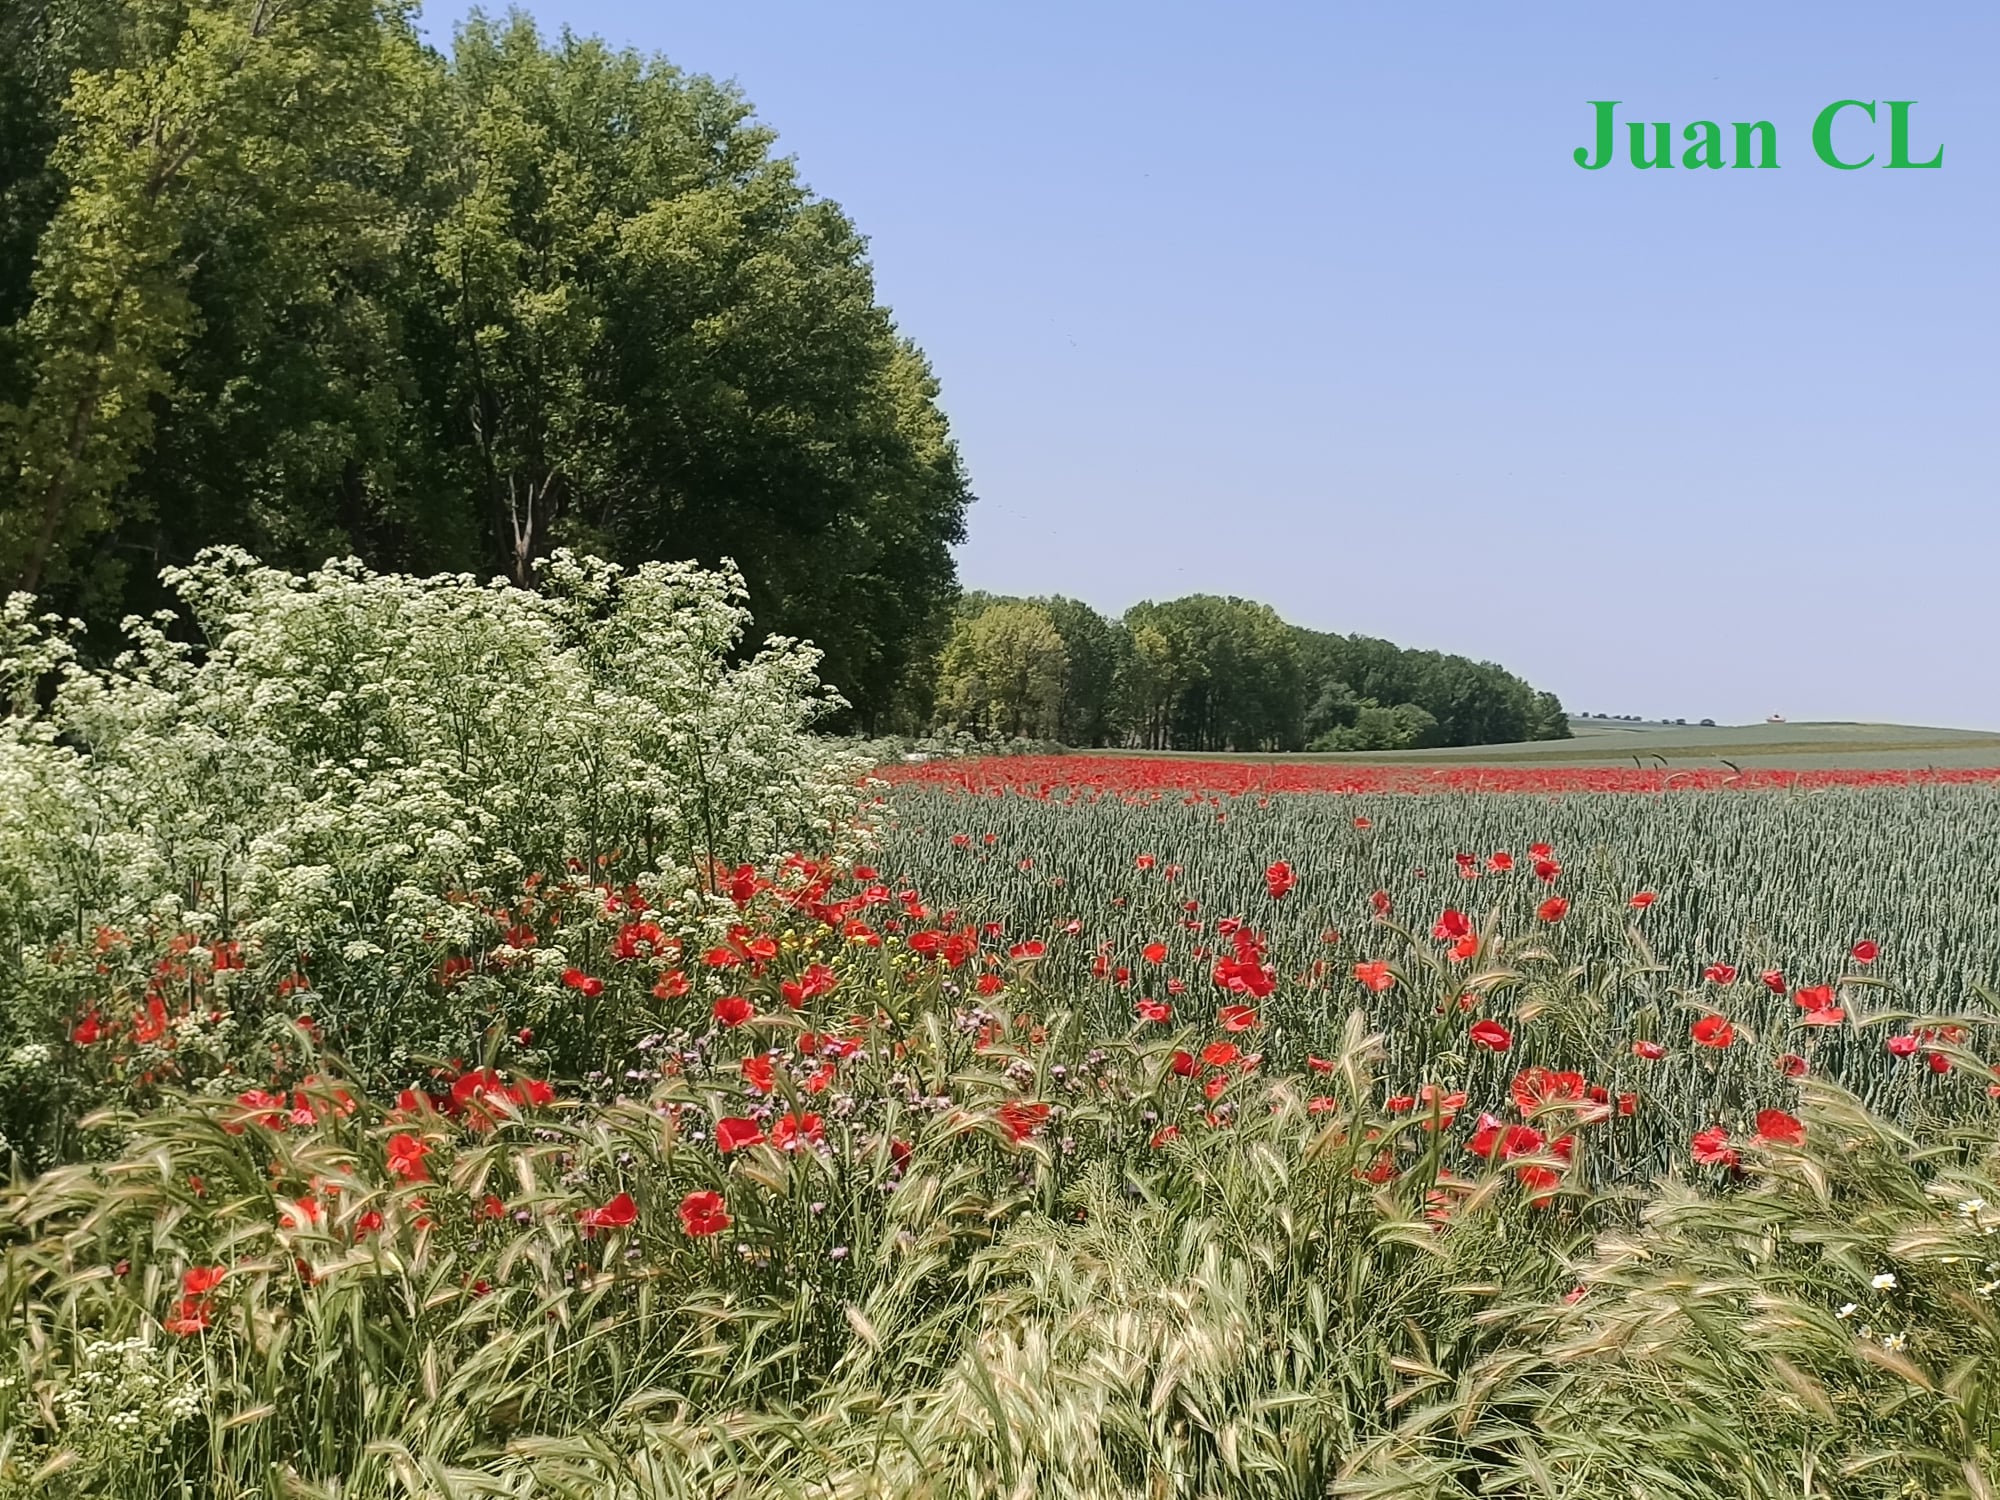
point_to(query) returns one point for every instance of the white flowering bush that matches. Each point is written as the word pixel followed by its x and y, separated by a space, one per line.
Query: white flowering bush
pixel 329 785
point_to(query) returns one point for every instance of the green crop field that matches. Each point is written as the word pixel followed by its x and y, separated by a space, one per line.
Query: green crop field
pixel 1801 746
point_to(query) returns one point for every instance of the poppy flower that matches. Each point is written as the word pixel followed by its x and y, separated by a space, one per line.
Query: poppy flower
pixel 1380 901
pixel 1902 1046
pixel 1363 823
pixel 1454 924
pixel 1776 1128
pixel 406 1154
pixel 1022 952
pixel 88 1031
pixel 791 1130
pixel 703 1214
pixel 1712 1031
pixel 733 1010
pixel 1792 1065
pixel 1864 952
pixel 1154 953
pixel 1236 1018
pixel 1320 1064
pixel 1826 1015
pixel 1553 910
pixel 620 1213
pixel 1650 1051
pixel 734 1133
pixel 199 1281
pixel 1546 870
pixel 1492 1036
pixel 1022 1119
pixel 1163 1135
pixel 1466 947
pixel 1278 879
pixel 1774 980
pixel 191 1316
pixel 1154 1010
pixel 587 986
pixel 1184 1065
pixel 1711 1148
pixel 1720 973
pixel 1536 1086
pixel 1220 1054
pixel 1500 860
pixel 1643 900
pixel 1375 975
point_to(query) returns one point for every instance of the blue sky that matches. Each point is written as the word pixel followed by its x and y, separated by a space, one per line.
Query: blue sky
pixel 1309 303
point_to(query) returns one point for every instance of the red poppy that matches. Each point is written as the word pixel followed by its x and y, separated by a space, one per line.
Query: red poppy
pixel 583 983
pixel 406 1154
pixel 1320 1064
pixel 1792 1065
pixel 1154 1010
pixel 733 1010
pixel 620 1213
pixel 1711 1148
pixel 1536 1086
pixel 1466 947
pixel 1500 860
pixel 1021 952
pixel 1816 997
pixel 1163 1135
pixel 1220 1054
pixel 1144 861
pixel 1902 1046
pixel 1375 975
pixel 1492 1036
pixel 1864 952
pixel 734 1133
pixel 1774 980
pixel 703 1214
pixel 199 1281
pixel 1712 1031
pixel 790 1131
pixel 1380 900
pixel 1454 924
pixel 1553 910
pixel 1651 1051
pixel 1546 870
pixel 1278 879
pixel 1022 1119
pixel 87 1031
pixel 1183 1063
pixel 1236 1018
pixel 191 1316
pixel 1776 1128
pixel 1643 900
pixel 1720 973
pixel 1154 953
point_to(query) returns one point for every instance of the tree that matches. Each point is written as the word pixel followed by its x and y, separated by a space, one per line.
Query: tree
pixel 237 108
pixel 1095 648
pixel 349 296
pixel 1004 670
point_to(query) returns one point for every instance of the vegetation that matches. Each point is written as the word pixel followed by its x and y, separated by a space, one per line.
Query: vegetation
pixel 350 297
pixel 482 1105
pixel 1204 673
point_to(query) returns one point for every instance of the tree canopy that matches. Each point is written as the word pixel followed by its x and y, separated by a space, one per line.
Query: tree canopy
pixel 275 273
pixel 1209 673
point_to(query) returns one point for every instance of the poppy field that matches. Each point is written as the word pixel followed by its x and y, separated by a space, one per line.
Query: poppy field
pixel 1121 1136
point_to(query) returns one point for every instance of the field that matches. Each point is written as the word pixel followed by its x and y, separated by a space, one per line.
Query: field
pixel 1085 1126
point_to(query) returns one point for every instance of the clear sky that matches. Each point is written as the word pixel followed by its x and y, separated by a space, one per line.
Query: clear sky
pixel 1308 303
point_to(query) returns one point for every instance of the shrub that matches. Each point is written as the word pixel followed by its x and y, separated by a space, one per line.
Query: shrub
pixel 324 794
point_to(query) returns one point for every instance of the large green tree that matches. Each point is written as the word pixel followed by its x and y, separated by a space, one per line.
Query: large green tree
pixel 302 284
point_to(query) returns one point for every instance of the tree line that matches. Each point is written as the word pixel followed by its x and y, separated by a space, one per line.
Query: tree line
pixel 279 273
pixel 1210 673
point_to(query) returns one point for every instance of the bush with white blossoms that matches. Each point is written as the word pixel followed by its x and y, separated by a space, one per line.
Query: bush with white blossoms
pixel 319 787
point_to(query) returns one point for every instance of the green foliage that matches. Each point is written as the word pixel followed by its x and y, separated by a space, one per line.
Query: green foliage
pixel 351 297
pixel 1205 673
pixel 348 779
pixel 1003 672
